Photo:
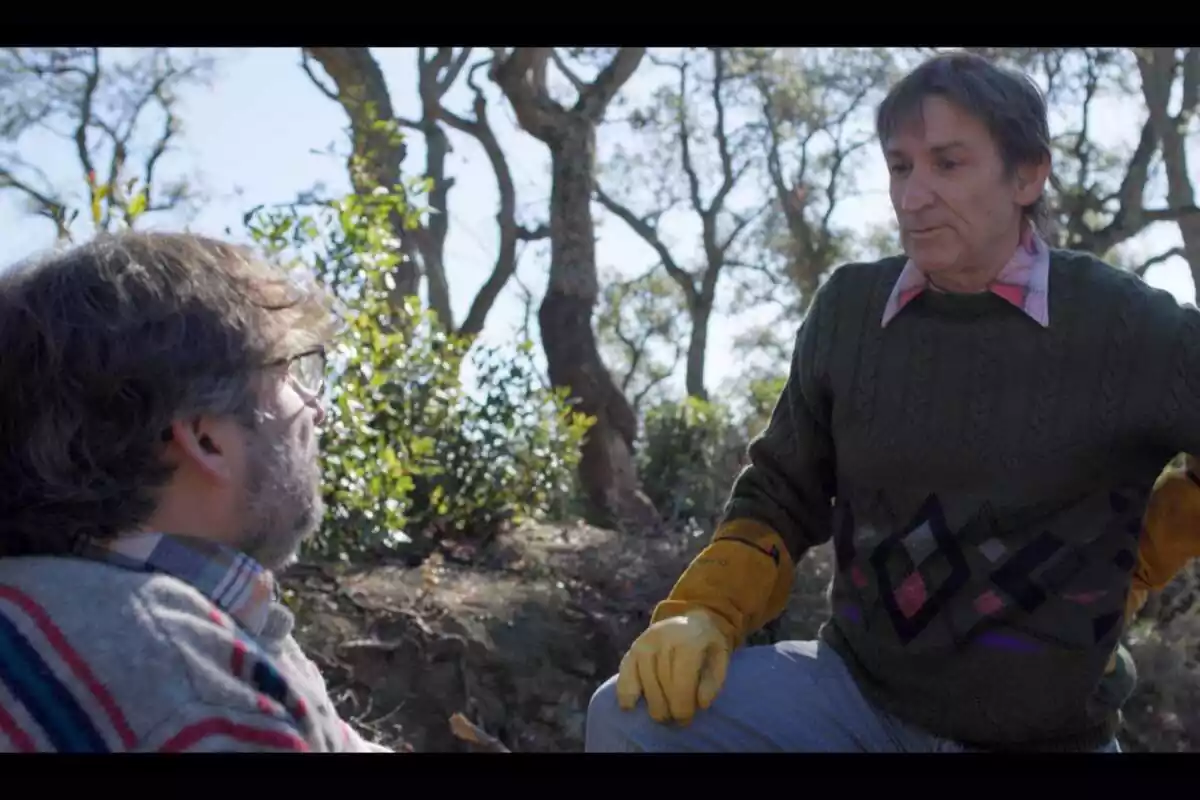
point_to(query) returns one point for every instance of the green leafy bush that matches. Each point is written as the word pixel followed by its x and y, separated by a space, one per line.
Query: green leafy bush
pixel 407 447
pixel 757 402
pixel 690 453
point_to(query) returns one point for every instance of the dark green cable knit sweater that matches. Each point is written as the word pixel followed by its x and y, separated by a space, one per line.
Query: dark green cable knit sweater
pixel 983 481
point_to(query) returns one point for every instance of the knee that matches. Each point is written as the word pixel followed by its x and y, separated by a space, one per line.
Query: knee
pixel 604 699
pixel 605 719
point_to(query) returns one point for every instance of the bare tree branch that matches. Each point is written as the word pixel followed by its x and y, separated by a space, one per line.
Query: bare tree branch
pixel 596 97
pixel 515 73
pixel 799 101
pixel 579 85
pixel 104 106
pixel 533 234
pixel 453 71
pixel 480 129
pixel 741 222
pixel 170 126
pixel 1190 96
pixel 85 121
pixel 699 287
pixel 728 179
pixel 639 398
pixel 1158 67
pixel 46 206
pixel 685 142
pixel 649 235
pixel 1145 266
pixel 306 65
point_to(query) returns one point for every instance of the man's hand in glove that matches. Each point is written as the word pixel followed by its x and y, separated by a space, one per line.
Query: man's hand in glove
pixel 678 664
pixel 741 581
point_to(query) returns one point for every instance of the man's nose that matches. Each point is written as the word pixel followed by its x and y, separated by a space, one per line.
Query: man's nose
pixel 916 194
pixel 318 407
pixel 314 401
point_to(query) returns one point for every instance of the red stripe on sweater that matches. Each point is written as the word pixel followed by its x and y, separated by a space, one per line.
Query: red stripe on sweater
pixel 238 660
pixel 20 739
pixel 216 726
pixel 59 642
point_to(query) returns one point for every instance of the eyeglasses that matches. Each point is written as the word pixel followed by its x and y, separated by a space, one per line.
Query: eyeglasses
pixel 308 370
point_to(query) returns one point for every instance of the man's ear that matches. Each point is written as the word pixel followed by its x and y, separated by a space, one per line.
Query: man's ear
pixel 1031 181
pixel 202 443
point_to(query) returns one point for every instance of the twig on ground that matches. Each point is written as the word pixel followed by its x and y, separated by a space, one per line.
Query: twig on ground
pixel 372 644
pixel 469 732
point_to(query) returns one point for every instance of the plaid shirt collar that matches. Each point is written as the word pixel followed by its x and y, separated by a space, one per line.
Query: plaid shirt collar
pixel 1024 281
pixel 236 583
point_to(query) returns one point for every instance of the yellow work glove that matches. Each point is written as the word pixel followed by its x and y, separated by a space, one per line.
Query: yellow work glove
pixel 1170 536
pixel 678 664
pixel 1171 530
pixel 735 585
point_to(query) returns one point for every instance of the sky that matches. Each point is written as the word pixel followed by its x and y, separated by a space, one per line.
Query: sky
pixel 256 136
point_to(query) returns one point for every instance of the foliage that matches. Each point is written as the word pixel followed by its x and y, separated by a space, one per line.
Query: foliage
pixel 407 445
pixel 691 453
pixel 762 392
pixel 692 450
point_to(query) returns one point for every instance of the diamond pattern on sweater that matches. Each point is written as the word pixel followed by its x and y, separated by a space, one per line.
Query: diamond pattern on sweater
pixel 993 550
pixel 1015 576
pixel 915 600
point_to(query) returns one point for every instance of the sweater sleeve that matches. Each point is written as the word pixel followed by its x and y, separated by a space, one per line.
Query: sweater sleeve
pixel 789 482
pixel 1179 412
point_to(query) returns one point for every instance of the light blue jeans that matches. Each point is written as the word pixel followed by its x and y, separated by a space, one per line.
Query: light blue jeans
pixel 787 697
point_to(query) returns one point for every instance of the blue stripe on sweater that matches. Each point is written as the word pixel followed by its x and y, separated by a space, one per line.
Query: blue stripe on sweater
pixel 44 696
pixel 268 681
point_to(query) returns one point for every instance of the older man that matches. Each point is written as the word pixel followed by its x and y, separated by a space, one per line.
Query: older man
pixel 158 440
pixel 977 427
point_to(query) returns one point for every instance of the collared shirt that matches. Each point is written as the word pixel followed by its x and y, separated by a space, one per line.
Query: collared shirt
pixel 236 583
pixel 1024 281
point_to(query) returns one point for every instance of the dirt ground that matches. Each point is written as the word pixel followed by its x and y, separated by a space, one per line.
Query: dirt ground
pixel 515 637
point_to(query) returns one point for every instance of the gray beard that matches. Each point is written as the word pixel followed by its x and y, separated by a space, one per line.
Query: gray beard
pixel 284 504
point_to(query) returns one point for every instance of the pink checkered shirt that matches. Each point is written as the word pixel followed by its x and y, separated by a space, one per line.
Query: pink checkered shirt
pixel 1024 281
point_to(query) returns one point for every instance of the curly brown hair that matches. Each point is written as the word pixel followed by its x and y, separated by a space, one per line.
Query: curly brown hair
pixel 103 346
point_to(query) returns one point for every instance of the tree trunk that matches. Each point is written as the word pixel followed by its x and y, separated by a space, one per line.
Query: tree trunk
pixel 697 349
pixel 1158 67
pixel 433 242
pixel 377 153
pixel 607 469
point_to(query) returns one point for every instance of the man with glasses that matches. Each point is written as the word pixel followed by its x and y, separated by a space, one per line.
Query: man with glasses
pixel 158 458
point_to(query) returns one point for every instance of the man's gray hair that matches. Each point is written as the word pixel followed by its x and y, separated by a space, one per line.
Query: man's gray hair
pixel 1008 102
